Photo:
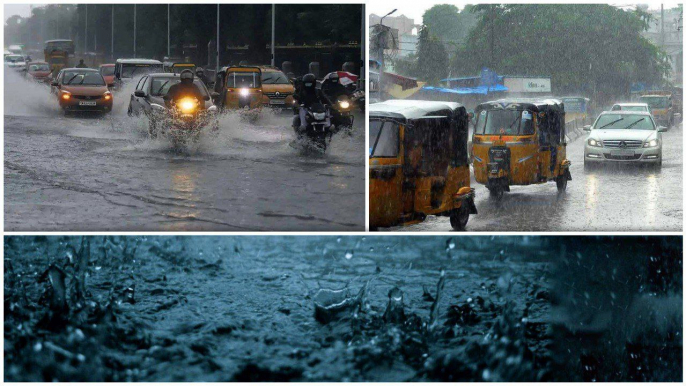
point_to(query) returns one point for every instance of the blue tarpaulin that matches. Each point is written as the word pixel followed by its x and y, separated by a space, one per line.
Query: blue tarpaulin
pixel 466 90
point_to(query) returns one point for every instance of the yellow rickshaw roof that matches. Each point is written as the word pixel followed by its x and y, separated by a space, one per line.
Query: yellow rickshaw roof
pixel 533 104
pixel 404 109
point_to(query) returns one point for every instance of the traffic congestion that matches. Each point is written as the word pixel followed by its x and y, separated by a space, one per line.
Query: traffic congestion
pixel 167 143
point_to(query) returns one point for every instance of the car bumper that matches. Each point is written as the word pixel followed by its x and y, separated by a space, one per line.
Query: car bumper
pixel 604 155
pixel 74 105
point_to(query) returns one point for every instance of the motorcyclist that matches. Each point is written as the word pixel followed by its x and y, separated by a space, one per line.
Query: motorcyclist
pixel 333 88
pixel 306 95
pixel 185 88
pixel 200 73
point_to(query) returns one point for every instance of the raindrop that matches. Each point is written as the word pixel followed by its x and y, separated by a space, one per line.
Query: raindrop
pixel 450 244
pixel 349 255
pixel 371 249
pixel 338 240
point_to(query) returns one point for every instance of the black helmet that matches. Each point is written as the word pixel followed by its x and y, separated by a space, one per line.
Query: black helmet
pixel 199 71
pixel 186 75
pixel 309 81
pixel 333 77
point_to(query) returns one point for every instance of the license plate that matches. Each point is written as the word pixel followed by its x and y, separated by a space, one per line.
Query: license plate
pixel 621 152
pixel 86 103
pixel 277 102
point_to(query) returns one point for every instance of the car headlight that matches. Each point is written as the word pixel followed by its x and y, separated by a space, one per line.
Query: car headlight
pixel 187 105
pixel 107 95
pixel 244 92
pixel 651 143
pixel 66 95
pixel 595 143
pixel 344 104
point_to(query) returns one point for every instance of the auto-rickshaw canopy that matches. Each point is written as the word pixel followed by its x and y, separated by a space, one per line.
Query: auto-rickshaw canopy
pixel 241 77
pixel 550 114
pixel 406 110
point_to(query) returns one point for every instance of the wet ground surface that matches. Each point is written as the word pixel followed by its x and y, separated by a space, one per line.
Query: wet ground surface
pixel 243 308
pixel 606 198
pixel 89 173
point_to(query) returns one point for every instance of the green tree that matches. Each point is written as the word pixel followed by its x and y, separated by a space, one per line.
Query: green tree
pixel 432 58
pixel 449 24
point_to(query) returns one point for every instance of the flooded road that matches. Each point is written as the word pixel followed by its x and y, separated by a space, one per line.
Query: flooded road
pixel 243 308
pixel 104 173
pixel 606 198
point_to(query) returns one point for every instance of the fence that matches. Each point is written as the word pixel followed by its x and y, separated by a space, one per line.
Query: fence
pixel 574 129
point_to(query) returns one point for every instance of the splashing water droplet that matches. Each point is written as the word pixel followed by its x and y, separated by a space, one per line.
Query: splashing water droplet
pixel 338 240
pixel 348 255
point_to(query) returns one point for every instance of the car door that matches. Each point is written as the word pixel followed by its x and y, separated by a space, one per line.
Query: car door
pixel 135 101
pixel 145 101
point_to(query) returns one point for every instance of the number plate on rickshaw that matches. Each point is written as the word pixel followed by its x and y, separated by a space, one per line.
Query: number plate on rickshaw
pixel 620 153
pixel 84 103
pixel 277 102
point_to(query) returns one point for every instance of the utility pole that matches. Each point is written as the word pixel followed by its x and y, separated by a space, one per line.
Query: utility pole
pixel 85 32
pixel 662 26
pixel 168 29
pixel 381 49
pixel 134 31
pixel 273 30
pixel 112 34
pixel 217 64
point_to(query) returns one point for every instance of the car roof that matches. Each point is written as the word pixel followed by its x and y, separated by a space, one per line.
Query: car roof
pixel 138 61
pixel 58 40
pixel 107 65
pixel 631 104
pixel 406 109
pixel 80 69
pixel 656 95
pixel 626 112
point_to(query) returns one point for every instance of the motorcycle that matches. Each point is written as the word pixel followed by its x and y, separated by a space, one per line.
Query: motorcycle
pixel 183 121
pixel 341 114
pixel 318 131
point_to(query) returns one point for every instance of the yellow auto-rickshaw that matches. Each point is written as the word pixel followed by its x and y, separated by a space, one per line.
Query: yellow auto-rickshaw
pixel 520 142
pixel 418 163
pixel 177 68
pixel 240 87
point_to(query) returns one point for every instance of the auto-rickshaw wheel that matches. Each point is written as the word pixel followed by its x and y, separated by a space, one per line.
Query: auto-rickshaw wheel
pixel 561 182
pixel 459 217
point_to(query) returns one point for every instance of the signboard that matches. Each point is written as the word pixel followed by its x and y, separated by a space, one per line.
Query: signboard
pixel 515 85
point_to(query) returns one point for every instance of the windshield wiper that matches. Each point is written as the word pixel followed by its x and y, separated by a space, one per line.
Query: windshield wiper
pixel 611 123
pixel 633 124
pixel 159 90
pixel 72 78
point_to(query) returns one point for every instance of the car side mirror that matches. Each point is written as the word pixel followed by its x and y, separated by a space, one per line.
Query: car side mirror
pixel 139 93
pixel 661 128
pixel 587 128
pixel 54 84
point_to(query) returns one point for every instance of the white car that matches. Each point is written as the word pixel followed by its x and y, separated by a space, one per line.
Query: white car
pixel 624 136
pixel 15 61
pixel 631 107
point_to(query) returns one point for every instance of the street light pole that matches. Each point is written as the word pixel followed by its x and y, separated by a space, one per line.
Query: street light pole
pixel 112 34
pixel 134 31
pixel 168 29
pixel 273 30
pixel 85 32
pixel 381 49
pixel 217 64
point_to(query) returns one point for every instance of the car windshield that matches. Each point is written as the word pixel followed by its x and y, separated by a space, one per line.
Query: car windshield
pixel 574 105
pixel 82 78
pixel 107 71
pixel 383 139
pixel 131 70
pixel 274 77
pixel 624 121
pixel 242 79
pixel 629 108
pixel 160 86
pixel 39 67
pixel 14 58
pixel 504 122
pixel 656 102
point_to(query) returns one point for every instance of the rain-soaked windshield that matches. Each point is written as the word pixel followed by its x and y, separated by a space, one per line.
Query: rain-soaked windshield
pixel 82 78
pixel 131 70
pixel 383 139
pixel 656 102
pixel 274 77
pixel 39 67
pixel 505 122
pixel 160 86
pixel 243 79
pixel 624 121
pixel 107 71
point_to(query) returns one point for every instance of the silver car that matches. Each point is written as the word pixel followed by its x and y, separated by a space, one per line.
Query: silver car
pixel 624 136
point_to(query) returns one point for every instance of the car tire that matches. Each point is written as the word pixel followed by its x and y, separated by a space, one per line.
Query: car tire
pixel 459 217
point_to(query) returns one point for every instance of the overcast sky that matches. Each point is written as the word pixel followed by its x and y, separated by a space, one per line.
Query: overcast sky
pixel 415 9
